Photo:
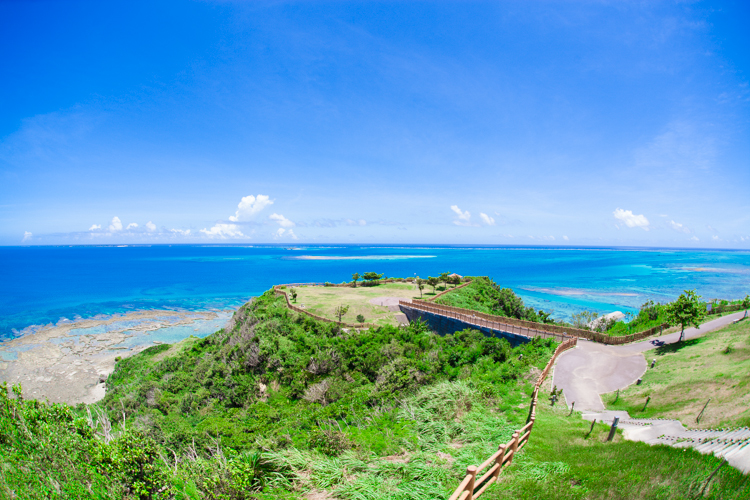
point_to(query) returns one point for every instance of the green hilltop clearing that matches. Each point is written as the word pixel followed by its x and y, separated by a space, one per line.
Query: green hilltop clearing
pixel 323 301
pixel 278 405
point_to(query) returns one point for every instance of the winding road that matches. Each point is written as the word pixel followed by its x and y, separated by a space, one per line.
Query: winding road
pixel 592 369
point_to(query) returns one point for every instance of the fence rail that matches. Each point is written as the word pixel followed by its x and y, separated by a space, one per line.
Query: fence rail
pixel 539 329
pixel 483 320
pixel 472 488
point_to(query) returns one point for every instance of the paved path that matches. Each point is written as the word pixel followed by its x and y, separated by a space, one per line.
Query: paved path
pixel 731 444
pixel 592 369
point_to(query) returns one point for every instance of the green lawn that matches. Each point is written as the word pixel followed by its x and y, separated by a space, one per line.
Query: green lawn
pixel 560 462
pixel 716 366
pixel 323 301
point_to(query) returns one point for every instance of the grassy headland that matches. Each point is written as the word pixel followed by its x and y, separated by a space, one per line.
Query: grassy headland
pixel 323 301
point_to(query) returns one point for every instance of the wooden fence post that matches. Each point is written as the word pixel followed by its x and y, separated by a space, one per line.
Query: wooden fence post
pixel 499 460
pixel 514 446
pixel 472 471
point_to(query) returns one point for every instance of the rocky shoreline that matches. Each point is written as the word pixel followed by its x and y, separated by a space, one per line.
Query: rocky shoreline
pixel 70 361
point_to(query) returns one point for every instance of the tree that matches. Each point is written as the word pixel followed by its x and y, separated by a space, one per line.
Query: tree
pixel 686 310
pixel 293 293
pixel 372 278
pixel 455 280
pixel 341 311
pixel 433 282
pixel 355 277
pixel 420 285
pixel 444 277
pixel 746 304
pixel 360 318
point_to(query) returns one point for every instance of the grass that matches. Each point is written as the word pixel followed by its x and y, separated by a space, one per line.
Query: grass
pixel 560 462
pixel 686 375
pixel 324 300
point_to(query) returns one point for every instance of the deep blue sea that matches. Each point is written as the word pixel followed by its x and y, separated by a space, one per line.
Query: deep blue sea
pixel 42 285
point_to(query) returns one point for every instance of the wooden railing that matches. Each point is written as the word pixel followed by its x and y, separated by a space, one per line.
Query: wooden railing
pixel 447 290
pixel 483 320
pixel 533 329
pixel 472 488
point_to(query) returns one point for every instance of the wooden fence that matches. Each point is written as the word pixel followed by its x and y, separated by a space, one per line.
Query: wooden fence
pixel 472 488
pixel 537 329
pixel 435 297
pixel 482 320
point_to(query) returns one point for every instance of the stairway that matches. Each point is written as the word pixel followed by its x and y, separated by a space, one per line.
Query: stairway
pixel 731 444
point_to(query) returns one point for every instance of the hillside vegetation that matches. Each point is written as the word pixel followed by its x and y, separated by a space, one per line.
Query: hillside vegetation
pixel 484 295
pixel 277 405
pixel 687 374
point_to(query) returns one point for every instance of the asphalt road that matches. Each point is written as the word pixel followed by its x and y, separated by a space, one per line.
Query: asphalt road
pixel 592 369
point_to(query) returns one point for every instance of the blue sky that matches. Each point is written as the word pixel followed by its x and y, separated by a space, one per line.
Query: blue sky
pixel 571 123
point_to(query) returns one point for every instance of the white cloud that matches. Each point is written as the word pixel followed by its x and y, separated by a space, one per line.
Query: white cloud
pixel 26 236
pixel 715 238
pixel 281 232
pixel 115 225
pixel 695 238
pixel 464 218
pixel 249 206
pixel 565 238
pixel 679 227
pixel 183 232
pixel 223 231
pixel 132 225
pixel 283 221
pixel 351 222
pixel 151 226
pixel 487 219
pixel 94 227
pixel 630 219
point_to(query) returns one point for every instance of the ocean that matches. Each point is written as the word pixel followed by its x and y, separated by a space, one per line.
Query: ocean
pixel 53 285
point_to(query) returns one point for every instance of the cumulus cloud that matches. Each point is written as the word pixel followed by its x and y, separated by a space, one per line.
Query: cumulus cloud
pixel 283 221
pixel 630 219
pixel 695 238
pixel 223 231
pixel 115 225
pixel 487 219
pixel 26 236
pixel 182 232
pixel 565 238
pixel 351 222
pixel 94 227
pixel 678 227
pixel 249 206
pixel 132 225
pixel 150 226
pixel 715 238
pixel 284 232
pixel 464 218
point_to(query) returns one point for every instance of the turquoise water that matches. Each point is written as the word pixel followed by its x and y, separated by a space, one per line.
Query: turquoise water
pixel 42 285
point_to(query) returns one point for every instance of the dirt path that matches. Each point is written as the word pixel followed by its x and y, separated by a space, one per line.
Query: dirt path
pixel 592 369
